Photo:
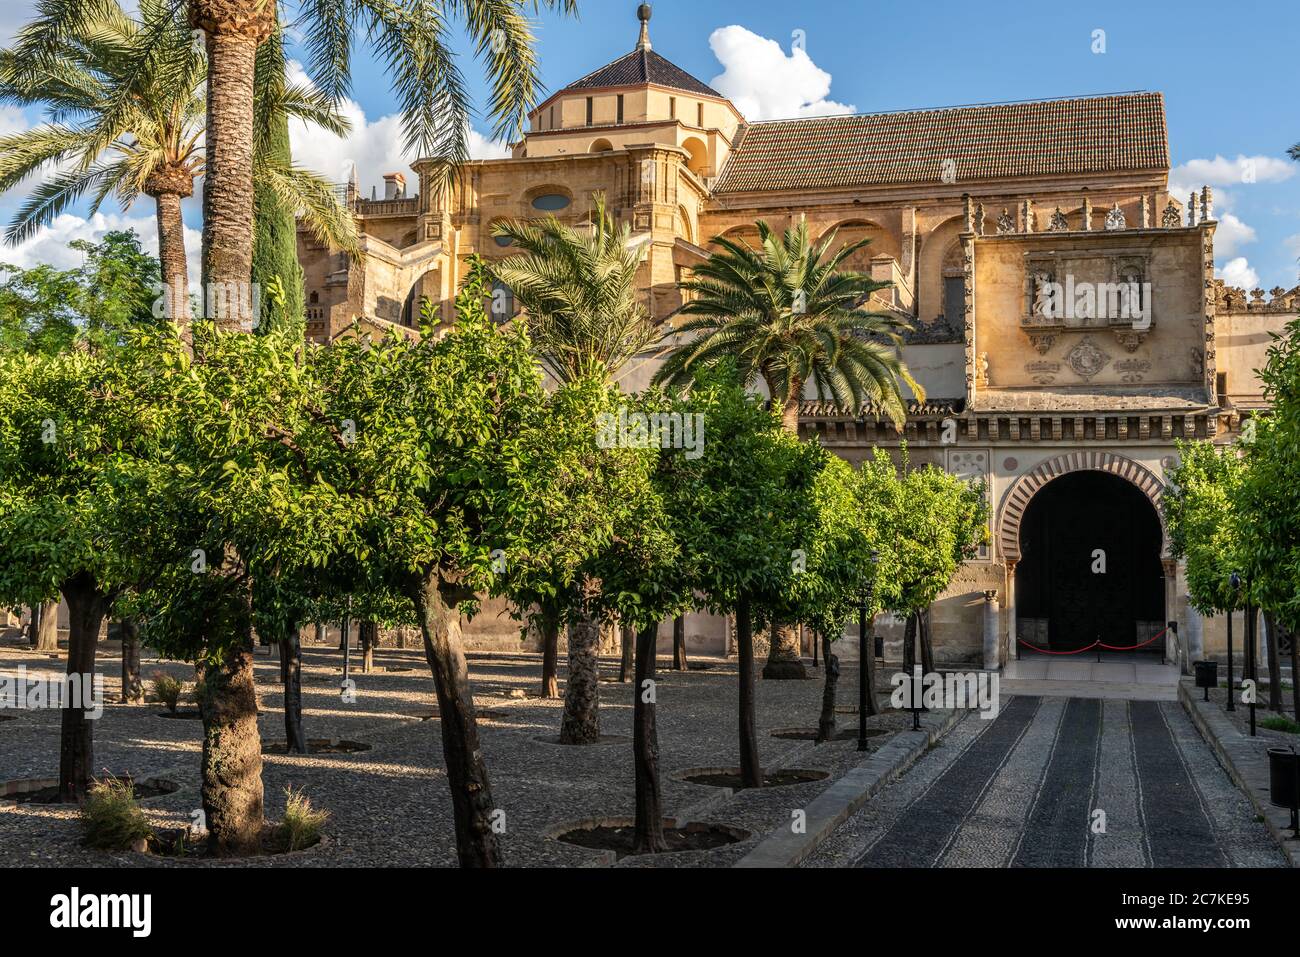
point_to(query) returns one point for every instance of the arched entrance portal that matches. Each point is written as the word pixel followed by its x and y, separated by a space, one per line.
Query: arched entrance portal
pixel 1090 565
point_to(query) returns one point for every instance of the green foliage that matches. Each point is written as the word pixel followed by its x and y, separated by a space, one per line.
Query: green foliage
pixel 302 823
pixel 1280 723
pixel 1268 497
pixel 167 689
pixel 1203 523
pixel 579 288
pixel 789 313
pixel 111 817
pixel 44 309
pixel 741 508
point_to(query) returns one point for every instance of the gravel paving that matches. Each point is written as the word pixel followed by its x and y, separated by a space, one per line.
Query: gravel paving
pixel 390 805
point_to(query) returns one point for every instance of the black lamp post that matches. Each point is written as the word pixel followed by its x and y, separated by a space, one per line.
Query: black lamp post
pixel 864 650
pixel 1234 582
pixel 347 643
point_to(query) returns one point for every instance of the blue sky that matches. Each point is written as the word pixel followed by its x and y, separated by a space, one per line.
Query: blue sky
pixel 1227 74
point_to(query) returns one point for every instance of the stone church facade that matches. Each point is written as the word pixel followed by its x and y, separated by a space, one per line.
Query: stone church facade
pixel 1067 325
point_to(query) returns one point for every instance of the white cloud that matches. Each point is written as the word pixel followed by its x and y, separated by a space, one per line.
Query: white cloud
pixel 764 83
pixel 1237 272
pixel 50 244
pixel 1230 234
pixel 12 120
pixel 1221 171
pixel 374 146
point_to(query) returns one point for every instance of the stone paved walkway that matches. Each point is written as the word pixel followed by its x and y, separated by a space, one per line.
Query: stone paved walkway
pixel 1024 790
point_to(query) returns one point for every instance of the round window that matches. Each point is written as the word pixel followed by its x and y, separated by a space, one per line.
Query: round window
pixel 503 241
pixel 551 202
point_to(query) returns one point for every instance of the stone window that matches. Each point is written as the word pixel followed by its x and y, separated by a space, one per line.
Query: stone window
pixel 591 110
pixel 672 107
pixel 954 301
pixel 700 115
pixel 620 108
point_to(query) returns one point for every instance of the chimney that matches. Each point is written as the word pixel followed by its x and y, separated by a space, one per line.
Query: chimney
pixel 394 186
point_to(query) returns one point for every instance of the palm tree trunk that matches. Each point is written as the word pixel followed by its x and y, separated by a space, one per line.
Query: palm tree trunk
pixel 783 660
pixel 86 608
pixel 45 626
pixel 231 765
pixel 679 643
pixel 581 721
pixel 132 686
pixel 175 269
pixel 467 775
pixel 550 651
pixel 649 836
pixel 751 771
pixel 234 30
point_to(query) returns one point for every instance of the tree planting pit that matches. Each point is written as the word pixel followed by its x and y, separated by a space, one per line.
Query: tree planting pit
pixel 616 836
pixel 317 746
pixel 730 777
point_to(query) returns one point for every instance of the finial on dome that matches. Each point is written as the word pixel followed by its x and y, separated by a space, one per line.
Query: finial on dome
pixel 643 14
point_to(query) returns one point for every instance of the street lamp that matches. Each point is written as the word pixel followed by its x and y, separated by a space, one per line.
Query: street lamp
pixel 1234 582
pixel 864 653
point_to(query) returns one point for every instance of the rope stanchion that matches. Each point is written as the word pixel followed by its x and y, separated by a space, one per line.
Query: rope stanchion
pixel 1095 644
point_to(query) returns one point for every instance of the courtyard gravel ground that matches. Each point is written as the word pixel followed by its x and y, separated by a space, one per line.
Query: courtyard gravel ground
pixel 390 805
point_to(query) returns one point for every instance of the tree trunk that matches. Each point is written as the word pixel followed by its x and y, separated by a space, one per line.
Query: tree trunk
pixel 790 415
pixel 345 634
pixel 45 626
pixel 86 608
pixel 826 723
pixel 627 645
pixel 234 29
pixel 175 269
pixel 679 644
pixel 909 644
pixel 291 678
pixel 783 661
pixel 649 837
pixel 581 721
pixel 369 635
pixel 1274 664
pixel 1295 672
pixel 467 776
pixel 232 746
pixel 751 772
pixel 550 650
pixel 132 686
pixel 927 645
pixel 320 633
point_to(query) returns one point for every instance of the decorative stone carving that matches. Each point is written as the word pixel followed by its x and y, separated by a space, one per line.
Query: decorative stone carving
pixel 1043 373
pixel 968 212
pixel 1207 204
pixel 1041 281
pixel 1086 358
pixel 1170 218
pixel 1130 339
pixel 1132 370
pixel 979 220
pixel 1191 209
pixel 1198 362
pixel 1146 211
pixel 1087 214
pixel 1027 215
pixel 1006 224
pixel 1042 342
pixel 982 371
pixel 1115 219
pixel 1059 223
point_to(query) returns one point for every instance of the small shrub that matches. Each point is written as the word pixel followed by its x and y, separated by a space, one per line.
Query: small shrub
pixel 112 819
pixel 167 689
pixel 302 823
pixel 1280 723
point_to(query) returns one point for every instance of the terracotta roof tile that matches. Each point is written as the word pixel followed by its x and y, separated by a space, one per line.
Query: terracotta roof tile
pixel 1111 133
pixel 642 66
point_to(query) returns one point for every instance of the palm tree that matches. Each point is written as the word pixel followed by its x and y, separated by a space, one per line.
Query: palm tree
pixel 153 145
pixel 790 313
pixel 585 320
pixel 578 289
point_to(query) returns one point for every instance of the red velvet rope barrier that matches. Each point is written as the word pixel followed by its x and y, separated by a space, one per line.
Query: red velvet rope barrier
pixel 1095 644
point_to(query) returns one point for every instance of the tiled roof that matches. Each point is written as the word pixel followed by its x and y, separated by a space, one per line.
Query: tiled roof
pixel 1124 131
pixel 642 66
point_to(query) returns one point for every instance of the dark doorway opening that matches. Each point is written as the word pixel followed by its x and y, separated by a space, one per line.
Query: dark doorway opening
pixel 1090 566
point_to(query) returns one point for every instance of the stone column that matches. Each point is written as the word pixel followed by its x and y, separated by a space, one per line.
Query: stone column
pixel 992 638
pixel 1172 642
pixel 1009 652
